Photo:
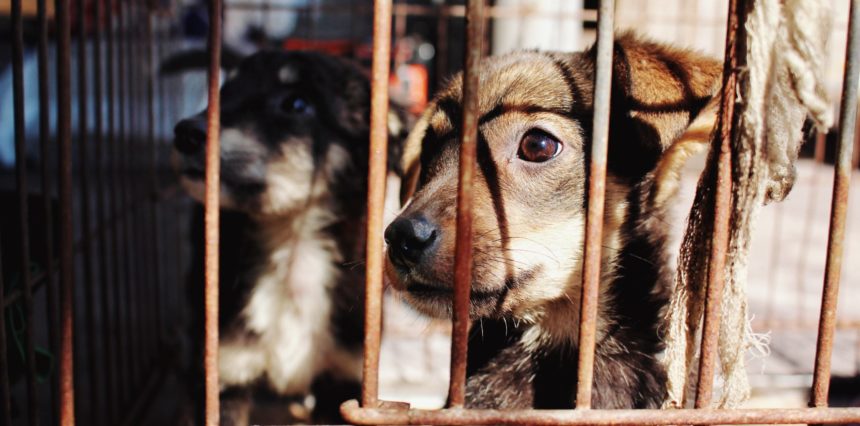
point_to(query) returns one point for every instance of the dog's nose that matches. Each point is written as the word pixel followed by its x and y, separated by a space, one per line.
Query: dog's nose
pixel 190 136
pixel 410 238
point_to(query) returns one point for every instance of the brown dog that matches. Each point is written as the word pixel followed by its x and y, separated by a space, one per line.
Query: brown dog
pixel 530 202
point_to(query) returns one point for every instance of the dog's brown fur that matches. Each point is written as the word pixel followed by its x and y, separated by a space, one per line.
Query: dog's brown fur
pixel 529 218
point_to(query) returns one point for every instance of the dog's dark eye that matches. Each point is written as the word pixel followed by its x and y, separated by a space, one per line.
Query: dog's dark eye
pixel 296 105
pixel 538 146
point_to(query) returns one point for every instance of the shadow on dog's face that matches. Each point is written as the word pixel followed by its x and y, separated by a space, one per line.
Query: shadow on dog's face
pixel 291 123
pixel 535 112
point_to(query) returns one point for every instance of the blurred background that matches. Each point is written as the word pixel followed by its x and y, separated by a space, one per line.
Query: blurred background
pixel 130 218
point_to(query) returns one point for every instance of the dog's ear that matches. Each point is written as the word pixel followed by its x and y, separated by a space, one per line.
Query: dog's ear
pixel 657 93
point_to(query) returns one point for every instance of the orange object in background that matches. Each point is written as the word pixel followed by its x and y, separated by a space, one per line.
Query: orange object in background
pixel 409 84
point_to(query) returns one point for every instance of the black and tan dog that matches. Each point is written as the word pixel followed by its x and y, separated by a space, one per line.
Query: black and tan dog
pixel 530 202
pixel 294 149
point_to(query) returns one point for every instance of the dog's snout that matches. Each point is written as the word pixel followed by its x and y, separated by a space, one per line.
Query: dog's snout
pixel 410 238
pixel 190 136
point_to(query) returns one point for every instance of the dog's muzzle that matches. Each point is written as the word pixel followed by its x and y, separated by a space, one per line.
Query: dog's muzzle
pixel 411 240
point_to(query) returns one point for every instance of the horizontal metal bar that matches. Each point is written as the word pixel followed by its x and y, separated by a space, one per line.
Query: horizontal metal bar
pixel 357 415
pixel 803 325
pixel 459 11
pixel 402 9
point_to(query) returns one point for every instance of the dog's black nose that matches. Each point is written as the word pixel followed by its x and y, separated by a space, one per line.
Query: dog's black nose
pixel 409 238
pixel 190 135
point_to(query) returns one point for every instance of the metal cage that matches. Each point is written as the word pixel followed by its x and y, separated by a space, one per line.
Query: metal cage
pixel 120 251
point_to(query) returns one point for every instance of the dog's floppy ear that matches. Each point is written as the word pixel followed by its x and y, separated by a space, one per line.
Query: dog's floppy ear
pixel 657 93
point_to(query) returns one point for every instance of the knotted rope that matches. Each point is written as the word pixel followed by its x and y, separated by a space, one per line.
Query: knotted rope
pixel 780 86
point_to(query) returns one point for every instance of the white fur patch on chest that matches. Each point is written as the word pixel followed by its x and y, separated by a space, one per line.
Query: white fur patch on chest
pixel 289 312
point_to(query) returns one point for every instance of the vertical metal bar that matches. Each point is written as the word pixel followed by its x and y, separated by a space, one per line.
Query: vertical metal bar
pixel 596 194
pixel 376 199
pixel 115 207
pixel 719 242
pixel 129 212
pixel 5 395
pixel 64 136
pixel 211 218
pixel 463 244
pixel 155 282
pixel 145 252
pixel 137 199
pixel 101 216
pixel 839 211
pixel 820 142
pixel 44 154
pixel 165 113
pixel 86 245
pixel 127 309
pixel 22 192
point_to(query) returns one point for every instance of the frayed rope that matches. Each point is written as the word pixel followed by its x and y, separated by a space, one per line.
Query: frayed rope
pixel 780 86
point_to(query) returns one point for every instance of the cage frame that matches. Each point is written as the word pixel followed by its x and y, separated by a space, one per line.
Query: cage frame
pixel 371 410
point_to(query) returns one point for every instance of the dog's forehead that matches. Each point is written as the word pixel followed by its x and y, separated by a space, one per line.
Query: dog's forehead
pixel 267 70
pixel 522 81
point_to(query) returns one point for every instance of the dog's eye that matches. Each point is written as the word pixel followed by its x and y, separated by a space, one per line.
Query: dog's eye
pixel 296 105
pixel 538 146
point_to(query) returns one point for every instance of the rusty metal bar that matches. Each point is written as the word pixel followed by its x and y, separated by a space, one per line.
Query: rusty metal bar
pixel 453 10
pixel 792 325
pixel 596 194
pixel 143 181
pixel 211 218
pixel 138 216
pixel 64 138
pixel 136 255
pixel 373 416
pixel 468 161
pixel 114 125
pixel 376 199
pixel 735 33
pixel 839 211
pixel 142 175
pixel 108 341
pixel 86 244
pixel 130 354
pixel 47 209
pixel 23 215
pixel 123 275
pixel 155 283
pixel 820 144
